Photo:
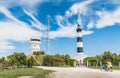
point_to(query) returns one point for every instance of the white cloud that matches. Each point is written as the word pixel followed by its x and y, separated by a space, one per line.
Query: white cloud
pixel 8 14
pixel 67 31
pixel 13 29
pixel 115 1
pixel 68 13
pixel 90 25
pixel 60 20
pixel 31 2
pixel 35 22
pixel 108 18
pixel 15 32
pixel 79 20
pixel 23 3
pixel 88 32
pixel 5 46
pixel 26 4
pixel 79 8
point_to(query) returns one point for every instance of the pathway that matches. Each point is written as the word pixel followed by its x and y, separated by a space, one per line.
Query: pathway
pixel 78 72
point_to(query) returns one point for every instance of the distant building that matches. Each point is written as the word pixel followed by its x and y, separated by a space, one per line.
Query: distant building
pixel 35 44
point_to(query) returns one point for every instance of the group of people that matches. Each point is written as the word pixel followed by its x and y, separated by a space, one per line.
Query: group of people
pixel 107 66
pixel 80 64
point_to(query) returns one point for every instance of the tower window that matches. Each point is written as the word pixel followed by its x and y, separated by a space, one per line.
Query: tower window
pixel 34 45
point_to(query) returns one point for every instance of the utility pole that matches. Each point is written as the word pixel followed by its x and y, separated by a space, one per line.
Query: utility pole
pixel 47 35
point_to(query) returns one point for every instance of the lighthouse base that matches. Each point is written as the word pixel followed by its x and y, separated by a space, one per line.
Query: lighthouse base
pixel 79 57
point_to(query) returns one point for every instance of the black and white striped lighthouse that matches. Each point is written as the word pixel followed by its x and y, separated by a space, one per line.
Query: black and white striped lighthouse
pixel 79 39
pixel 80 54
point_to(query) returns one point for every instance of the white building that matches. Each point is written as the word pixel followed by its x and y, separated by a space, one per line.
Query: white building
pixel 35 44
pixel 80 54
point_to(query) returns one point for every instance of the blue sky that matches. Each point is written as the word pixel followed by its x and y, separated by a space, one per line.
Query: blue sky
pixel 21 19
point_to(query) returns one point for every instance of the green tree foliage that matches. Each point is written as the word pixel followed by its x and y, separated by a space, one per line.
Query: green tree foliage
pixel 38 56
pixel 92 61
pixel 48 60
pixel 39 53
pixel 17 59
pixel 67 57
pixel 71 62
pixel 58 60
pixel 31 62
pixel 106 56
pixel 3 61
pixel 116 59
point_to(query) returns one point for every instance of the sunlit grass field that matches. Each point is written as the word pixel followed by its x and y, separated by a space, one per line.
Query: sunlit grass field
pixel 36 72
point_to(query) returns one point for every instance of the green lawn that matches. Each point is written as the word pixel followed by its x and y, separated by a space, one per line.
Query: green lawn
pixel 114 67
pixel 36 72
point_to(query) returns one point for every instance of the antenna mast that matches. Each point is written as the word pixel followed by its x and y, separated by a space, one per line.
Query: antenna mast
pixel 47 35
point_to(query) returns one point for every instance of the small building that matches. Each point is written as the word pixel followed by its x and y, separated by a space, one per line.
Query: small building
pixel 35 43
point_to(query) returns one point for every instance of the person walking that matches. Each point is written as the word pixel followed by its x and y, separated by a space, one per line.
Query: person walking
pixel 109 66
pixel 81 63
pixel 104 67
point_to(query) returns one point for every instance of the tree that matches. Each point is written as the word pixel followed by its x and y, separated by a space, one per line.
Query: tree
pixel 71 62
pixel 58 60
pixel 39 53
pixel 67 57
pixel 17 59
pixel 116 59
pixel 3 62
pixel 107 56
pixel 99 60
pixel 48 60
pixel 92 61
pixel 30 62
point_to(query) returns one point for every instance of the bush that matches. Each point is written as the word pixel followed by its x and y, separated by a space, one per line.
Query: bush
pixel 58 60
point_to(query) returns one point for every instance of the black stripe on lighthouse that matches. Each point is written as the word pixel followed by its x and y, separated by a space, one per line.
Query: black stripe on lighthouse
pixel 79 30
pixel 79 39
pixel 79 49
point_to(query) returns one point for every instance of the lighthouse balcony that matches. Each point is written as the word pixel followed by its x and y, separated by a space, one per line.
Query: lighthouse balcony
pixel 35 40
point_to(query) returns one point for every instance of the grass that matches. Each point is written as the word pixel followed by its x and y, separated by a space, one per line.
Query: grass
pixel 114 67
pixel 36 72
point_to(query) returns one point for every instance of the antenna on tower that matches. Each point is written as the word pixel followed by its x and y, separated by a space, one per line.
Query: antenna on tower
pixel 47 35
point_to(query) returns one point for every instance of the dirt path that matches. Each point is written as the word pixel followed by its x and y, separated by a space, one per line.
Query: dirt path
pixel 77 72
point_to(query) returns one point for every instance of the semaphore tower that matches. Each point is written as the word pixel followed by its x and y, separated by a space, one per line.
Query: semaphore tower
pixel 34 44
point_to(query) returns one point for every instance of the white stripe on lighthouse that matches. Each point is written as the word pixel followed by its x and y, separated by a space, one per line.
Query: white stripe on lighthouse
pixel 79 44
pixel 79 34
